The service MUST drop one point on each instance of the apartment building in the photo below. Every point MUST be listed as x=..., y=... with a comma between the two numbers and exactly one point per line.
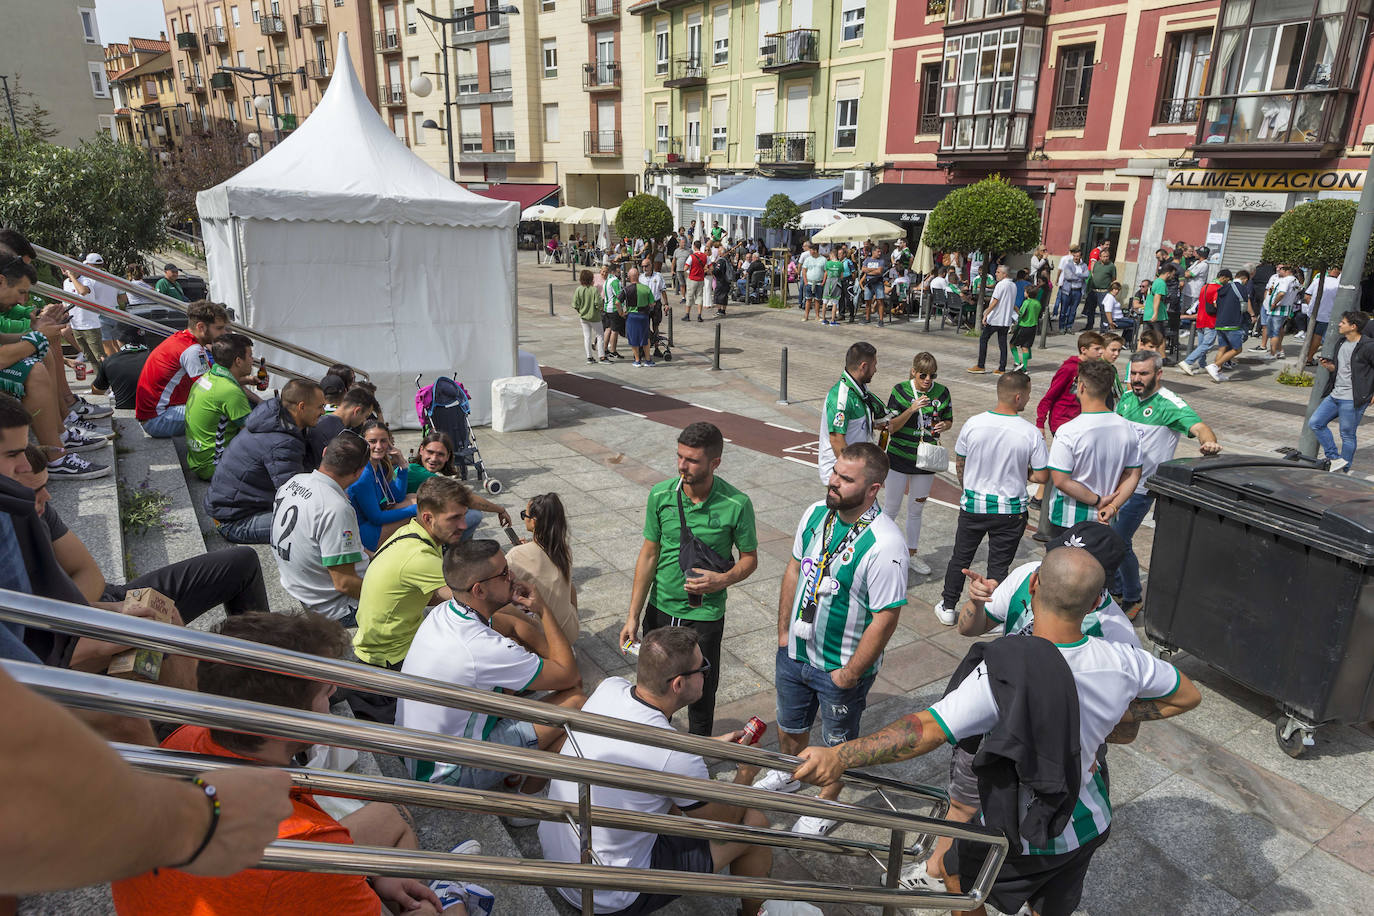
x=146, y=113
x=57, y=57
x=1143, y=122
x=780, y=88
x=290, y=44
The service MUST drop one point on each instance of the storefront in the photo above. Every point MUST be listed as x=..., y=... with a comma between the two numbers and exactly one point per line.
x=907, y=205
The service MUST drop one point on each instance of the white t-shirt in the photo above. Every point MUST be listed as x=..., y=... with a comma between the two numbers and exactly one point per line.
x=1003, y=312
x=616, y=848
x=1112, y=306
x=314, y=527
x=997, y=450
x=1109, y=676
x=102, y=293
x=1011, y=607
x=655, y=283
x=455, y=645
x=815, y=268
x=1094, y=449
x=1330, y=286
x=1192, y=288
x=939, y=283
x=1280, y=292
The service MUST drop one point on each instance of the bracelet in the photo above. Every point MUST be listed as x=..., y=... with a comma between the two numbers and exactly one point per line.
x=213, y=796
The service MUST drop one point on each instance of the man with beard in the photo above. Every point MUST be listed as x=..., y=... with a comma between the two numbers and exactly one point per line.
x=1158, y=417
x=841, y=597
x=851, y=411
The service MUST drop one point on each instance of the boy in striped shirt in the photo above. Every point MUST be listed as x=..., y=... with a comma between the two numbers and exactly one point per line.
x=1095, y=460
x=997, y=452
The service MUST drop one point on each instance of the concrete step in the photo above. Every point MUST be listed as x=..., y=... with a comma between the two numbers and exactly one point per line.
x=91, y=509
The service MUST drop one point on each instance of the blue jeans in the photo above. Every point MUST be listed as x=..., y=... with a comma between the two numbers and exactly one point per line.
x=473, y=519
x=1329, y=409
x=1205, y=344
x=804, y=688
x=1126, y=582
x=255, y=529
x=168, y=425
x=1125, y=327
x=1066, y=306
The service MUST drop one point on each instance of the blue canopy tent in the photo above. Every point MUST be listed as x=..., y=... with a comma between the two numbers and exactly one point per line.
x=746, y=200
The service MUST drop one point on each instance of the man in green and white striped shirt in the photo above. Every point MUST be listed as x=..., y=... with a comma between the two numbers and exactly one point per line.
x=1095, y=460
x=851, y=411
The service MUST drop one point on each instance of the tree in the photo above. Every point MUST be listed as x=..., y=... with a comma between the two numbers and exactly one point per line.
x=780, y=212
x=1314, y=235
x=206, y=158
x=35, y=121
x=101, y=196
x=991, y=216
x=644, y=216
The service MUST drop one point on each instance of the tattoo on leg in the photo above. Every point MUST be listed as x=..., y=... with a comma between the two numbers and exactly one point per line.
x=897, y=741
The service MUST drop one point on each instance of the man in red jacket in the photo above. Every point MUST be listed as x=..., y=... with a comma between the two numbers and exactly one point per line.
x=696, y=279
x=164, y=383
x=1060, y=403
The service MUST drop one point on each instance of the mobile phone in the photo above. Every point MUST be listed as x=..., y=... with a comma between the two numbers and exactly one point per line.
x=512, y=536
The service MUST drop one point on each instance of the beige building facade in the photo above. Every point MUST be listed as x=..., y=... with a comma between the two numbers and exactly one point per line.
x=57, y=56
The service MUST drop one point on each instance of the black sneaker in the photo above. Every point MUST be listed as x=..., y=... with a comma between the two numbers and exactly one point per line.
x=699, y=318
x=74, y=467
x=75, y=440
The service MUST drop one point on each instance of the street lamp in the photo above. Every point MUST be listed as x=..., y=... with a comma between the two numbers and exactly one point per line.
x=444, y=23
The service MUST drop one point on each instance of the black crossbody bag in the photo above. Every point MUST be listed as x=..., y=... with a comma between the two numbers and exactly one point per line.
x=693, y=552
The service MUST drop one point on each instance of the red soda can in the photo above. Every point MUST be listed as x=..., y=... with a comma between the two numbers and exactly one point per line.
x=81, y=371
x=753, y=731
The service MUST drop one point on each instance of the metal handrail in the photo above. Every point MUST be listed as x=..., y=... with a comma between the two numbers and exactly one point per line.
x=61, y=260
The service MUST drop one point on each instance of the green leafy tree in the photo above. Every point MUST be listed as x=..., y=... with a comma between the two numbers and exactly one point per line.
x=101, y=196
x=644, y=216
x=991, y=216
x=1314, y=235
x=780, y=212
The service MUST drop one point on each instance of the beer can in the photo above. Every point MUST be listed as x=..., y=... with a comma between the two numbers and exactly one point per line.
x=753, y=731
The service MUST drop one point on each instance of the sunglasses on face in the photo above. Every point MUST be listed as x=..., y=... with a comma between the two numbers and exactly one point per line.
x=705, y=667
x=932, y=375
x=525, y=515
x=503, y=574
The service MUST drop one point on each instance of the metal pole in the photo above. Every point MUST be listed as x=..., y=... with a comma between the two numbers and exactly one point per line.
x=550, y=300
x=715, y=356
x=670, y=327
x=448, y=102
x=584, y=821
x=782, y=380
x=9, y=103
x=894, y=866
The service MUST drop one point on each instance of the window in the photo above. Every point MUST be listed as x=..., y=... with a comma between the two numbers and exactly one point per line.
x=1075, y=80
x=847, y=113
x=765, y=111
x=551, y=123
x=286, y=107
x=661, y=128
x=720, y=112
x=930, y=100
x=550, y=46
x=503, y=128
x=470, y=129
x=99, y=87
x=398, y=127
x=546, y=6
x=257, y=11
x=467, y=22
x=467, y=74
x=693, y=146
x=232, y=112
x=418, y=119
x=262, y=59
x=411, y=25
x=89, y=27
x=205, y=117
x=234, y=16
x=768, y=23
x=1185, y=70
x=247, y=108
x=801, y=14
x=720, y=35
x=973, y=10
x=661, y=49
x=987, y=89
x=852, y=20
x=190, y=22
x=694, y=39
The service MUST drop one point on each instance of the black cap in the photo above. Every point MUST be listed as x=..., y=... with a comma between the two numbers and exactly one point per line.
x=171, y=267
x=131, y=334
x=1106, y=546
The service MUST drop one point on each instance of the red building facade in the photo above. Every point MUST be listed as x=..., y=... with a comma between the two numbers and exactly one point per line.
x=1144, y=122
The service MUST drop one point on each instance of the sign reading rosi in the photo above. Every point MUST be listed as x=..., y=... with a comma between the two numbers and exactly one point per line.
x=1266, y=179
x=1252, y=201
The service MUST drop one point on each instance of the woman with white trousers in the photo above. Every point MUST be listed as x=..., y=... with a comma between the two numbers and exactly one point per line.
x=922, y=410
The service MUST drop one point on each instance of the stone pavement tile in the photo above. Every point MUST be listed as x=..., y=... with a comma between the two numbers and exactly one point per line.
x=916, y=663
x=607, y=524
x=739, y=680
x=600, y=646
x=592, y=481
x=608, y=593
x=1317, y=883
x=743, y=614
x=1217, y=840
x=610, y=556
x=1336, y=768
x=1353, y=843
x=779, y=549
x=954, y=642
x=1130, y=874
x=1170, y=745
x=1133, y=773
x=758, y=649
x=919, y=617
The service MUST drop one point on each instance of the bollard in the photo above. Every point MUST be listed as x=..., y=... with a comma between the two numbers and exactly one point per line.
x=782, y=379
x=715, y=356
x=1046, y=316
x=928, y=300
x=670, y=328
x=550, y=300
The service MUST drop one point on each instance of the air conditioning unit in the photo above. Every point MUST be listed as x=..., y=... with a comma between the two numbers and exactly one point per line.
x=856, y=181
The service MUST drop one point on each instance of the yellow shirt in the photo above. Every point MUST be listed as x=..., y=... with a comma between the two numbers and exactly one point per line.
x=401, y=579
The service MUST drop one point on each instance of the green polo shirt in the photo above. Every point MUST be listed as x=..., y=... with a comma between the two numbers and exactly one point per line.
x=169, y=288
x=724, y=521
x=404, y=574
x=215, y=410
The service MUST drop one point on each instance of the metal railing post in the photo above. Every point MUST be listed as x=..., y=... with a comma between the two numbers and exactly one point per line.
x=670, y=327
x=550, y=300
x=782, y=379
x=894, y=866
x=715, y=355
x=584, y=821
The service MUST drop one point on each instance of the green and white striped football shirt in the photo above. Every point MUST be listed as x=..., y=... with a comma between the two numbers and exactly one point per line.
x=867, y=577
x=1094, y=449
x=997, y=449
x=850, y=409
x=1011, y=607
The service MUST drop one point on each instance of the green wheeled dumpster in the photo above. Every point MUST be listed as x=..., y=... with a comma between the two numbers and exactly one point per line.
x=1262, y=569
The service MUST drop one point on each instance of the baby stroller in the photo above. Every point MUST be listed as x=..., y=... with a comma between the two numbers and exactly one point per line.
x=444, y=407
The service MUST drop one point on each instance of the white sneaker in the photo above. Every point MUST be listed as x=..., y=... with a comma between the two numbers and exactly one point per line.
x=919, y=565
x=1301, y=335
x=1267, y=356
x=815, y=826
x=915, y=877
x=947, y=616
x=1337, y=464
x=1187, y=368
x=777, y=781
x=1214, y=372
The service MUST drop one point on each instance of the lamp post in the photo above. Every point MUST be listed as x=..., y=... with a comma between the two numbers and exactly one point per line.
x=261, y=104
x=421, y=85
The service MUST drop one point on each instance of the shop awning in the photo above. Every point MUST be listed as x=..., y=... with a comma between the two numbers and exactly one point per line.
x=749, y=197
x=527, y=195
x=903, y=203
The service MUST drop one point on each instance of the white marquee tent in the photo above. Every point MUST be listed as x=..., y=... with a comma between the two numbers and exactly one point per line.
x=343, y=241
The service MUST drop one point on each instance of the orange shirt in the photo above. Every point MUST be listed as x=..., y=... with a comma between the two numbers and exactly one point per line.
x=255, y=892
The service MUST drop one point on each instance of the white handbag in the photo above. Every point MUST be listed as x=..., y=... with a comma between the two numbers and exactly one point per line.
x=929, y=456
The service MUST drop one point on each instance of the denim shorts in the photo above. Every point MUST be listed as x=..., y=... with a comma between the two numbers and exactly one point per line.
x=510, y=732
x=803, y=688
x=1231, y=340
x=813, y=290
x=1319, y=328
x=1276, y=324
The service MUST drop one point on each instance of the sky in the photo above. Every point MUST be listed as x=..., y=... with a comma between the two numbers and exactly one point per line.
x=121, y=20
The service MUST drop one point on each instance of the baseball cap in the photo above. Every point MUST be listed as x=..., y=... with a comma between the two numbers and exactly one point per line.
x=1106, y=546
x=171, y=267
x=93, y=258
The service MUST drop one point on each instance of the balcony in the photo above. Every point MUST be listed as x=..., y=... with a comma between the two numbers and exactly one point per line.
x=798, y=49
x=386, y=40
x=224, y=81
x=287, y=121
x=601, y=143
x=318, y=68
x=930, y=124
x=1069, y=117
x=391, y=94
x=1273, y=125
x=685, y=73
x=281, y=73
x=681, y=157
x=500, y=81
x=935, y=7
x=188, y=41
x=600, y=10
x=193, y=82
x=503, y=142
x=601, y=76
x=216, y=36
x=787, y=150
x=985, y=139
x=312, y=16
x=1178, y=111
x=272, y=25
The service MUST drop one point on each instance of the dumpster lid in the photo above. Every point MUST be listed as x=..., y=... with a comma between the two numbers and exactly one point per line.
x=1333, y=512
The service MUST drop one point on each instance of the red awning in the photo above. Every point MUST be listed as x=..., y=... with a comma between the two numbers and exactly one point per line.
x=526, y=195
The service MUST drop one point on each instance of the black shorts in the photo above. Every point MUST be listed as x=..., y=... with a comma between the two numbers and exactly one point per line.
x=1023, y=337
x=1052, y=885
x=672, y=853
x=613, y=321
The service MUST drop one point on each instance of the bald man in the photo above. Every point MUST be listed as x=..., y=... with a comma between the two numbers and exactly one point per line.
x=1118, y=686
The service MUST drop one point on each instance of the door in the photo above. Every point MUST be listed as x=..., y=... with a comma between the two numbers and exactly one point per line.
x=692, y=152
x=219, y=17
x=605, y=58
x=694, y=42
x=605, y=126
x=1245, y=237
x=798, y=108
x=393, y=77
x=398, y=125
x=1103, y=224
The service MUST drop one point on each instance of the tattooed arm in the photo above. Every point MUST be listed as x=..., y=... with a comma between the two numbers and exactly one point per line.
x=910, y=736
x=1148, y=710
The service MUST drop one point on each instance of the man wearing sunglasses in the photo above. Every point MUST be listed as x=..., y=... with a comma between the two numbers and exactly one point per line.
x=460, y=643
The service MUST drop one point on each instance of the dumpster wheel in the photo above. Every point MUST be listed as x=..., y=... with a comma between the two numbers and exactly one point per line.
x=1294, y=737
